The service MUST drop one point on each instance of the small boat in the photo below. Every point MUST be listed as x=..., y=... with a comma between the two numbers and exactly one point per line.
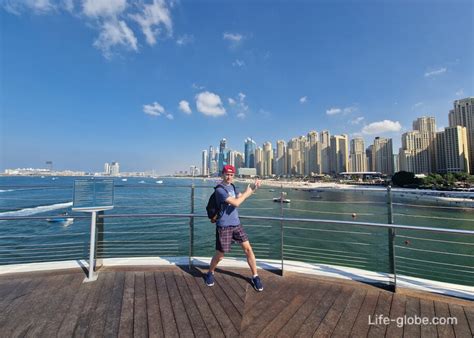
x=60, y=220
x=141, y=182
x=281, y=200
x=159, y=182
x=54, y=178
x=124, y=180
x=316, y=197
x=271, y=190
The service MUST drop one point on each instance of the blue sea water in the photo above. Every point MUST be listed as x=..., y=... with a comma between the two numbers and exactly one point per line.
x=434, y=256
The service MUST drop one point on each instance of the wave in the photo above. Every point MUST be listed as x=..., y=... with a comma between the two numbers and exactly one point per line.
x=36, y=210
x=8, y=190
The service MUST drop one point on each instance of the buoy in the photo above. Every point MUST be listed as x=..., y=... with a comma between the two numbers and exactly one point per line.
x=354, y=215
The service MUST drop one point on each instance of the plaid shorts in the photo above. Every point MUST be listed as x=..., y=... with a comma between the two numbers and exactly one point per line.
x=225, y=236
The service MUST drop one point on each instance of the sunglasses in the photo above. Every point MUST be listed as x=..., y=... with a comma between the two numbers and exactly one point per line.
x=229, y=174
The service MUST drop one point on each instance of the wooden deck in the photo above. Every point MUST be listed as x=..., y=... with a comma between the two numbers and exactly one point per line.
x=174, y=302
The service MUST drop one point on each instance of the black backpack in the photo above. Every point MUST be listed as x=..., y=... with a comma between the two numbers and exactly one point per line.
x=212, y=208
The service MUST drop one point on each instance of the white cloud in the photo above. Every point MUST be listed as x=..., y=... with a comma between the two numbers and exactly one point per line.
x=264, y=113
x=38, y=6
x=231, y=101
x=333, y=111
x=436, y=72
x=348, y=110
x=303, y=99
x=233, y=37
x=357, y=120
x=381, y=127
x=460, y=92
x=115, y=33
x=238, y=63
x=209, y=104
x=184, y=40
x=169, y=117
x=103, y=8
x=241, y=115
x=154, y=109
x=198, y=87
x=417, y=105
x=152, y=17
x=184, y=107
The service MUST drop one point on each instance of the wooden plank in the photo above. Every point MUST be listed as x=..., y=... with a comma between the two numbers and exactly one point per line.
x=180, y=315
x=66, y=329
x=57, y=308
x=382, y=309
x=348, y=317
x=112, y=320
x=170, y=328
x=17, y=294
x=99, y=313
x=197, y=323
x=155, y=328
x=461, y=328
x=397, y=310
x=412, y=309
x=231, y=295
x=208, y=317
x=24, y=317
x=274, y=326
x=361, y=325
x=140, y=320
x=315, y=318
x=469, y=312
x=225, y=323
x=442, y=310
x=85, y=316
x=427, y=311
x=334, y=314
x=126, y=314
x=230, y=308
x=260, y=319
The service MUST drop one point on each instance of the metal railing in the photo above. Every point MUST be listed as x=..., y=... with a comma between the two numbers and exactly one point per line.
x=288, y=228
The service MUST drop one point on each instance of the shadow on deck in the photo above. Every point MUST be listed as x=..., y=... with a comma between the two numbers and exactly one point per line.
x=171, y=301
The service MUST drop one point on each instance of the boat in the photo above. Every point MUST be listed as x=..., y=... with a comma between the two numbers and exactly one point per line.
x=124, y=180
x=281, y=200
x=271, y=190
x=159, y=182
x=141, y=182
x=63, y=219
x=316, y=197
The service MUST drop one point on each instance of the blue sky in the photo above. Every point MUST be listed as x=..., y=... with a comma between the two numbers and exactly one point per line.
x=151, y=83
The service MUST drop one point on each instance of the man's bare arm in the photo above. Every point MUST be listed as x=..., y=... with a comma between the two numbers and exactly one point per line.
x=236, y=201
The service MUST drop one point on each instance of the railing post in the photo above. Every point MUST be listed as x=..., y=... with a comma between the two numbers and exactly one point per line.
x=91, y=276
x=281, y=230
x=100, y=239
x=391, y=239
x=191, y=229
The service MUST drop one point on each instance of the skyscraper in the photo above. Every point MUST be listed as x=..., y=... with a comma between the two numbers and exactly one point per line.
x=314, y=155
x=452, y=150
x=249, y=152
x=205, y=163
x=267, y=159
x=382, y=155
x=357, y=155
x=339, y=154
x=414, y=155
x=222, y=154
x=280, y=160
x=259, y=161
x=115, y=169
x=324, y=139
x=463, y=115
x=369, y=155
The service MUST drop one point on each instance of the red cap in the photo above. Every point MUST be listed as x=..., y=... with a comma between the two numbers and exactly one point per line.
x=228, y=169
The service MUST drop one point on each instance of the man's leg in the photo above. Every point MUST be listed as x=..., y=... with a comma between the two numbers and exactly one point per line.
x=250, y=257
x=218, y=256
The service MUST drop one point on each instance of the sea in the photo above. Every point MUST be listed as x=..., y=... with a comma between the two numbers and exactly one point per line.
x=133, y=228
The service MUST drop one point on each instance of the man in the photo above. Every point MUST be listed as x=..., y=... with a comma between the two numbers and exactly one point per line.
x=229, y=229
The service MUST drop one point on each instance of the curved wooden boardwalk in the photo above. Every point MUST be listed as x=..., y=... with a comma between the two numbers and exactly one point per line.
x=171, y=302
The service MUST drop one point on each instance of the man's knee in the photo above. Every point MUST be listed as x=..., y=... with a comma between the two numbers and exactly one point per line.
x=247, y=248
x=219, y=255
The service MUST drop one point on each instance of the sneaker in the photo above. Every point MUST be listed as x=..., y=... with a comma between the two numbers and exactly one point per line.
x=209, y=278
x=257, y=283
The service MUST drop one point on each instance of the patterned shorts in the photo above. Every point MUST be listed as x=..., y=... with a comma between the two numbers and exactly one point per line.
x=225, y=236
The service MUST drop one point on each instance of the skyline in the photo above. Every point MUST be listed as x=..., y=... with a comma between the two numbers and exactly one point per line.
x=151, y=84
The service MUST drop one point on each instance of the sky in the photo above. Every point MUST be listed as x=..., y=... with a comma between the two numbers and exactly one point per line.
x=152, y=83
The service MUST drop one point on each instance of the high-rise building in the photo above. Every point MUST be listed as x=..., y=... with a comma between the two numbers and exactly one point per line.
x=259, y=161
x=280, y=158
x=211, y=159
x=106, y=168
x=222, y=154
x=426, y=126
x=357, y=155
x=463, y=115
x=314, y=154
x=294, y=157
x=249, y=152
x=339, y=154
x=267, y=159
x=325, y=140
x=368, y=155
x=114, y=169
x=452, y=150
x=205, y=163
x=382, y=156
x=414, y=155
